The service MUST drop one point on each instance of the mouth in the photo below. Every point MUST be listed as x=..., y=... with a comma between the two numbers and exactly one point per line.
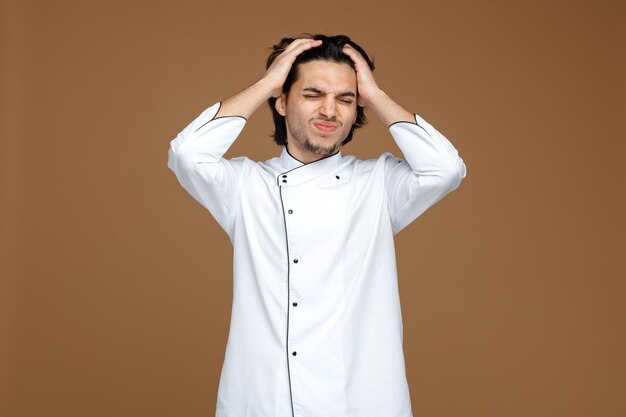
x=325, y=127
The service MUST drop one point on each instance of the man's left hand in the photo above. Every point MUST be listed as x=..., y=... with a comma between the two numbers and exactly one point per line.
x=366, y=85
x=371, y=96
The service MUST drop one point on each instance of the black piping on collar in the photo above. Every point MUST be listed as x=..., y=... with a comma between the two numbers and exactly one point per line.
x=303, y=163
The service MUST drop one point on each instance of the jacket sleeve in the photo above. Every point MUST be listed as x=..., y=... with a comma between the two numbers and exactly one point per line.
x=195, y=156
x=432, y=169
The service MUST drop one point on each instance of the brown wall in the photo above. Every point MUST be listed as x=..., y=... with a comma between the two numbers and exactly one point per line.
x=116, y=285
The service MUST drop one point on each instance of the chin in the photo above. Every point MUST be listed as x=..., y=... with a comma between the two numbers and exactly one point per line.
x=320, y=148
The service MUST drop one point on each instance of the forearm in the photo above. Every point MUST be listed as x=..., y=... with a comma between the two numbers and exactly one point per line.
x=387, y=110
x=205, y=139
x=419, y=141
x=246, y=102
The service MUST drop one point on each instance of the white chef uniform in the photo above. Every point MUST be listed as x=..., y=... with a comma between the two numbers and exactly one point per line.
x=316, y=325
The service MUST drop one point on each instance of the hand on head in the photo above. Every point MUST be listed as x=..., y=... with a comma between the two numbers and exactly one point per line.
x=278, y=71
x=366, y=84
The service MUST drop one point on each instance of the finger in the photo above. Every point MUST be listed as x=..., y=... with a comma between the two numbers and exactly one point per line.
x=279, y=69
x=298, y=43
x=356, y=57
x=298, y=46
x=295, y=48
x=289, y=55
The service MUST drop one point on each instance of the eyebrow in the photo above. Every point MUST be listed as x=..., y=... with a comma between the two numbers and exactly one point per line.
x=318, y=91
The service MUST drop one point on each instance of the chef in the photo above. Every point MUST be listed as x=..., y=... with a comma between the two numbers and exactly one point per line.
x=316, y=326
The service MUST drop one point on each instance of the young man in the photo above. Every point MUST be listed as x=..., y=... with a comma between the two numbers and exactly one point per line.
x=316, y=326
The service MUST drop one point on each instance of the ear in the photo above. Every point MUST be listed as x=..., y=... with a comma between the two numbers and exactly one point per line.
x=280, y=103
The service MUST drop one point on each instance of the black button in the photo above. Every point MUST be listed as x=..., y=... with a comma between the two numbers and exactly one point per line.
x=337, y=176
x=284, y=180
x=295, y=261
x=295, y=304
x=290, y=211
x=284, y=176
x=294, y=353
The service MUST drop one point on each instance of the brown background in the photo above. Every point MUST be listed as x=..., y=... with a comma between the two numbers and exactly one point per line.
x=116, y=285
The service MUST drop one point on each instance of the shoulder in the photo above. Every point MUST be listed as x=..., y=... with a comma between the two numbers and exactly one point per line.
x=382, y=163
x=250, y=168
x=249, y=162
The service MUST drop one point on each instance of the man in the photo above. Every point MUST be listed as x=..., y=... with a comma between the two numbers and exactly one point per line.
x=316, y=327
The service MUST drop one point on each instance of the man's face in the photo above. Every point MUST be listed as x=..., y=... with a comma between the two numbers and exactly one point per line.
x=319, y=109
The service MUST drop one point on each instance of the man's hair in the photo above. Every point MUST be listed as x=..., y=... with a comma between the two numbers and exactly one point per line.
x=329, y=50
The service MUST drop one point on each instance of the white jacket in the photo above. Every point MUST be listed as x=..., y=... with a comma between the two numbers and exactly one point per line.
x=316, y=326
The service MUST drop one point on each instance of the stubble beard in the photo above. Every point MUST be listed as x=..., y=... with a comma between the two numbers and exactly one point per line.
x=300, y=136
x=319, y=149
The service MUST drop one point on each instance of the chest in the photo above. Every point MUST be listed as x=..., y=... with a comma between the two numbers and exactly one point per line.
x=321, y=212
x=313, y=211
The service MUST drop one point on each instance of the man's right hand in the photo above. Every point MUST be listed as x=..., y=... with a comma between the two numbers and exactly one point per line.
x=278, y=71
x=247, y=101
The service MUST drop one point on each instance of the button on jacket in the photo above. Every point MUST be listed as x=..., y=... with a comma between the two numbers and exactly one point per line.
x=316, y=326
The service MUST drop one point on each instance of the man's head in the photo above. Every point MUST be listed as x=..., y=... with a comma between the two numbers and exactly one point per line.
x=318, y=107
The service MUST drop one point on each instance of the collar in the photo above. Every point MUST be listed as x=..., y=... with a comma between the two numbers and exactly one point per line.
x=294, y=172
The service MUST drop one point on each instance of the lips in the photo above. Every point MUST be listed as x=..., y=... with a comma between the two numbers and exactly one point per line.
x=325, y=126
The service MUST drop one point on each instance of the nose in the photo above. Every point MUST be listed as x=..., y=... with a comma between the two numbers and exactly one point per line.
x=327, y=107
